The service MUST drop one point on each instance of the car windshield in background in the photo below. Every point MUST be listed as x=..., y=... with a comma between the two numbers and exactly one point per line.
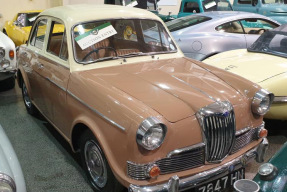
x=184, y=22
x=111, y=39
x=271, y=42
x=216, y=5
x=274, y=1
x=31, y=18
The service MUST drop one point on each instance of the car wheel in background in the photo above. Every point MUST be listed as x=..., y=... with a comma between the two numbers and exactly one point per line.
x=31, y=109
x=96, y=165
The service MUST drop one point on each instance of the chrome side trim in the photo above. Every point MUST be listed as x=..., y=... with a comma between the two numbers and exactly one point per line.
x=280, y=99
x=51, y=81
x=242, y=131
x=97, y=112
x=185, y=149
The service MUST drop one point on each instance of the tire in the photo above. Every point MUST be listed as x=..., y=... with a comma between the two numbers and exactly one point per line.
x=31, y=109
x=96, y=166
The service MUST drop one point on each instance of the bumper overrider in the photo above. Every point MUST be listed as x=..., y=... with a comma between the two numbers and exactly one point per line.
x=175, y=184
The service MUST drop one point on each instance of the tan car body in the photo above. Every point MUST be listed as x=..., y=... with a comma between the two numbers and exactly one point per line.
x=112, y=98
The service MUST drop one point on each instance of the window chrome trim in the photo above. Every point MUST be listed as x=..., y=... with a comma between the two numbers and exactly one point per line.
x=185, y=149
x=51, y=81
x=97, y=112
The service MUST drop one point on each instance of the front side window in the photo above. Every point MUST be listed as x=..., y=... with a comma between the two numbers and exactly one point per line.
x=216, y=5
x=113, y=39
x=184, y=22
x=274, y=1
x=244, y=2
x=257, y=26
x=57, y=44
x=231, y=27
x=191, y=7
x=38, y=34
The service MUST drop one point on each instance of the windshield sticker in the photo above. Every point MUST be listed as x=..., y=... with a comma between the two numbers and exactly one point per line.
x=209, y=5
x=132, y=4
x=95, y=35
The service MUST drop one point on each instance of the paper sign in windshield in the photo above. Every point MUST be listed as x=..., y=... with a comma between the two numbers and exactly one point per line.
x=95, y=35
x=209, y=5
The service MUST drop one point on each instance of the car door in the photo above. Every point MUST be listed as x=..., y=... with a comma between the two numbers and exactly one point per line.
x=254, y=27
x=233, y=36
x=247, y=6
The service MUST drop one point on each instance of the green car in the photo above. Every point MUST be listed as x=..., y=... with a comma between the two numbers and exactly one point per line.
x=271, y=176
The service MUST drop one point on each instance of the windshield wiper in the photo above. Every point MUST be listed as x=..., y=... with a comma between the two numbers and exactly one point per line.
x=134, y=54
x=101, y=59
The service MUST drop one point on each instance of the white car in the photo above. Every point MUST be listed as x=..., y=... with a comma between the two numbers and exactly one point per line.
x=11, y=176
x=8, y=64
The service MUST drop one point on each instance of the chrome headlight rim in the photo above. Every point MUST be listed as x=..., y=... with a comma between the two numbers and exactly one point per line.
x=259, y=99
x=8, y=180
x=147, y=125
x=2, y=52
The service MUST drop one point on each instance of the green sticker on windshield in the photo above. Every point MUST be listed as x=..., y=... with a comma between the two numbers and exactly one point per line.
x=95, y=35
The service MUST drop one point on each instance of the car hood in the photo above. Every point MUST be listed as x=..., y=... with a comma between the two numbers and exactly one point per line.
x=6, y=42
x=256, y=67
x=175, y=88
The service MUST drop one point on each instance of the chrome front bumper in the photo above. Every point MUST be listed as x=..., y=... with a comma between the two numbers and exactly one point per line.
x=175, y=184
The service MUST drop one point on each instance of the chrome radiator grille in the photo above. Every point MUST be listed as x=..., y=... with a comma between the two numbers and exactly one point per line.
x=218, y=123
x=178, y=162
x=244, y=139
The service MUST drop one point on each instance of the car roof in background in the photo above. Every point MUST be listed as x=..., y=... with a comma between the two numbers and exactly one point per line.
x=31, y=11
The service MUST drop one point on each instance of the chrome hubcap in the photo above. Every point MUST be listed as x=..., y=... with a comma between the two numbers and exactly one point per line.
x=95, y=164
x=26, y=96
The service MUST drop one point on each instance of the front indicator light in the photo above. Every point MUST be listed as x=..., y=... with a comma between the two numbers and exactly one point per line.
x=153, y=171
x=11, y=54
x=263, y=133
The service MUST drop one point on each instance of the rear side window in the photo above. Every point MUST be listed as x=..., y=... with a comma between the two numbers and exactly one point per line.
x=39, y=33
x=57, y=44
x=231, y=27
x=191, y=7
x=184, y=22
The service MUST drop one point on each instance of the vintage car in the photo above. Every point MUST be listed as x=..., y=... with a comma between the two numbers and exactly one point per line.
x=275, y=9
x=141, y=115
x=8, y=65
x=203, y=35
x=19, y=28
x=265, y=63
x=11, y=176
x=271, y=176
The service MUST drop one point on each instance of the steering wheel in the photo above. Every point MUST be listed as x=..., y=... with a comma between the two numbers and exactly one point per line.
x=260, y=31
x=97, y=50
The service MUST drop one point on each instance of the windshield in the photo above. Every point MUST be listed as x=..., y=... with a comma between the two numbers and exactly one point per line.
x=111, y=39
x=271, y=42
x=184, y=22
x=216, y=5
x=274, y=1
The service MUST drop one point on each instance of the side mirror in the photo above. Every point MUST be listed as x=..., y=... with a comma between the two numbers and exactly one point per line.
x=254, y=2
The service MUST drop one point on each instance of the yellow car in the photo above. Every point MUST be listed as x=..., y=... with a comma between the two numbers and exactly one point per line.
x=265, y=63
x=19, y=28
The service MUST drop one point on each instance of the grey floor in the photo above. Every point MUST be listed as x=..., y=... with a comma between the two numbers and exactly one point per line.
x=46, y=159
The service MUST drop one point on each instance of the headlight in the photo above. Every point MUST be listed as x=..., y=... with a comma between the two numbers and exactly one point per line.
x=261, y=102
x=7, y=184
x=151, y=133
x=2, y=52
x=4, y=63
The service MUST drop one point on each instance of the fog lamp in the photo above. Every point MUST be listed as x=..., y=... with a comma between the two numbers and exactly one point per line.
x=244, y=185
x=267, y=172
x=153, y=171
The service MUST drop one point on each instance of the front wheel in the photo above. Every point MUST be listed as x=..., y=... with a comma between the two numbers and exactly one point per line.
x=96, y=165
x=31, y=109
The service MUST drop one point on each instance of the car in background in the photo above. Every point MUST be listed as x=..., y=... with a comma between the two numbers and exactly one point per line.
x=203, y=35
x=8, y=66
x=11, y=176
x=141, y=115
x=19, y=28
x=265, y=63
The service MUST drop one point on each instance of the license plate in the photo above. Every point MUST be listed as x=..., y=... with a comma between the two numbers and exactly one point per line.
x=223, y=183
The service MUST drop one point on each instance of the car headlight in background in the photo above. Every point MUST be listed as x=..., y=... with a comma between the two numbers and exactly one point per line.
x=151, y=133
x=267, y=172
x=2, y=52
x=261, y=102
x=7, y=184
x=4, y=64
